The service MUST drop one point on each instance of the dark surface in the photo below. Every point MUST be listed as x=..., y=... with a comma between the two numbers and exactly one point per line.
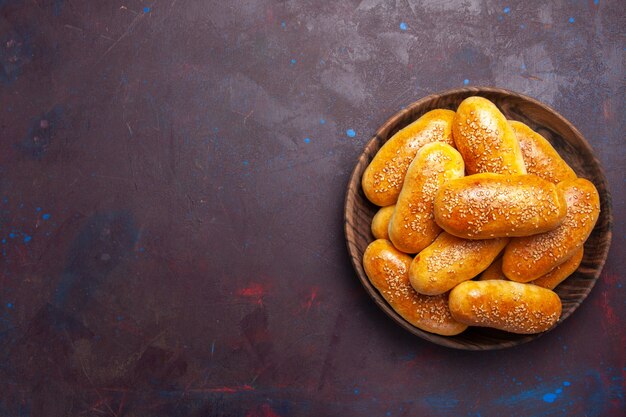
x=172, y=241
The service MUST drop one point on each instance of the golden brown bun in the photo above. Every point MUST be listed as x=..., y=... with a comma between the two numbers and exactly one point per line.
x=549, y=280
x=528, y=258
x=450, y=260
x=380, y=222
x=383, y=178
x=493, y=272
x=388, y=270
x=558, y=274
x=412, y=226
x=505, y=305
x=485, y=139
x=540, y=157
x=484, y=206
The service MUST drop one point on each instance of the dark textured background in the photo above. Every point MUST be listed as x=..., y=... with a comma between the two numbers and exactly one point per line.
x=172, y=175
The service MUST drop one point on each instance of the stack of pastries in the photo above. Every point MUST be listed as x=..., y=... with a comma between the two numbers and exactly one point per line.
x=480, y=220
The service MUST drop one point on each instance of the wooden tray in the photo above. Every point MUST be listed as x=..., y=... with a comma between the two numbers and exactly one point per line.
x=565, y=138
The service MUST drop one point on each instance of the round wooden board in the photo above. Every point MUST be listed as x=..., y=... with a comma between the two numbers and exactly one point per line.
x=565, y=138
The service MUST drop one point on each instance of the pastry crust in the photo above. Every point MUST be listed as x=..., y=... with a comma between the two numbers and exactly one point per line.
x=528, y=258
x=380, y=222
x=561, y=272
x=487, y=205
x=384, y=176
x=485, y=139
x=493, y=272
x=540, y=158
x=505, y=305
x=388, y=270
x=450, y=260
x=412, y=226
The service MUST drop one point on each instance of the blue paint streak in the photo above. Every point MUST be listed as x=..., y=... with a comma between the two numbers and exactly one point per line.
x=566, y=383
x=46, y=216
x=596, y=1
x=146, y=9
x=27, y=238
x=465, y=81
x=549, y=398
x=293, y=61
x=356, y=391
x=351, y=133
x=572, y=20
x=9, y=305
x=403, y=26
x=322, y=121
x=507, y=10
x=307, y=140
x=38, y=209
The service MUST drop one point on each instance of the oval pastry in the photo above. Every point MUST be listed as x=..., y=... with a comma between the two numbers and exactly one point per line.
x=505, y=305
x=412, y=226
x=388, y=270
x=450, y=260
x=528, y=258
x=484, y=206
x=540, y=158
x=380, y=222
x=384, y=176
x=558, y=274
x=485, y=139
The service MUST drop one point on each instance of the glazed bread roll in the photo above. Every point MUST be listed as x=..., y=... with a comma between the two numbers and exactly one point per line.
x=505, y=305
x=412, y=226
x=549, y=280
x=493, y=272
x=540, y=158
x=485, y=139
x=528, y=258
x=388, y=270
x=484, y=206
x=450, y=260
x=380, y=222
x=383, y=178
x=558, y=274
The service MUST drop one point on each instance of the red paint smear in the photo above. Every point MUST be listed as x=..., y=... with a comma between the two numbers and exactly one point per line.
x=253, y=290
x=262, y=411
x=610, y=279
x=609, y=313
x=310, y=301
